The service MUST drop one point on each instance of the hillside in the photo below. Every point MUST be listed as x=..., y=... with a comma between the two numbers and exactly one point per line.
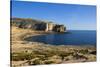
x=38, y=25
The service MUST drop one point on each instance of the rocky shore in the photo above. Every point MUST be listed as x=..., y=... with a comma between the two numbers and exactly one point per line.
x=26, y=53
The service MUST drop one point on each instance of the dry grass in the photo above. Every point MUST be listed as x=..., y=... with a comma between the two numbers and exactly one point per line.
x=41, y=53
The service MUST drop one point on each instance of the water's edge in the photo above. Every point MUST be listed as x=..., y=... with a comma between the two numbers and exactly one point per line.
x=72, y=37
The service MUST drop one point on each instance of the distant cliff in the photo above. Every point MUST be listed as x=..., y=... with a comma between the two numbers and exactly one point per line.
x=34, y=24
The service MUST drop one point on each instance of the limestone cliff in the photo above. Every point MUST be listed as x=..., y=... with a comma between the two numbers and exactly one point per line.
x=34, y=24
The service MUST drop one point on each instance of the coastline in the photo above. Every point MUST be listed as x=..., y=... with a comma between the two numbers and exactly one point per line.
x=51, y=54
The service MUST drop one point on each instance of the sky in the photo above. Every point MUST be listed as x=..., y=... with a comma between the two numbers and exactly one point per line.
x=74, y=17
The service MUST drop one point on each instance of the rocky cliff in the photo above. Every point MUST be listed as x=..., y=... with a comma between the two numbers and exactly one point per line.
x=34, y=24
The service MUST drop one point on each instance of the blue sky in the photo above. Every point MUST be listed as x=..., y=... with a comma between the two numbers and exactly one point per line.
x=74, y=17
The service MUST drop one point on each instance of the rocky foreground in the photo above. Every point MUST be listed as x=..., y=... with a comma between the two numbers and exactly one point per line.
x=26, y=53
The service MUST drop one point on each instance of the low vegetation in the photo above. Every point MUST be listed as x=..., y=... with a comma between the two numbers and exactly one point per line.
x=50, y=57
x=35, y=53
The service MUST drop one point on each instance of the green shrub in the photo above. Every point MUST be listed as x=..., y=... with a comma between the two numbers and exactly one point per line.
x=21, y=56
x=48, y=62
x=37, y=61
x=84, y=51
x=63, y=54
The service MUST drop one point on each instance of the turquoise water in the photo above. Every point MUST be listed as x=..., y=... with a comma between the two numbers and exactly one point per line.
x=74, y=37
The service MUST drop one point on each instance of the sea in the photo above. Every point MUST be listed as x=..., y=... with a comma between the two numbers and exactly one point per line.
x=72, y=37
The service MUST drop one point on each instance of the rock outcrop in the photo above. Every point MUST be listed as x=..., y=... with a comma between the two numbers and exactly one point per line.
x=59, y=28
x=37, y=25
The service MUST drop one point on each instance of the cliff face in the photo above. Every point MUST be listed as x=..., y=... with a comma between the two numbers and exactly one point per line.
x=59, y=28
x=37, y=25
